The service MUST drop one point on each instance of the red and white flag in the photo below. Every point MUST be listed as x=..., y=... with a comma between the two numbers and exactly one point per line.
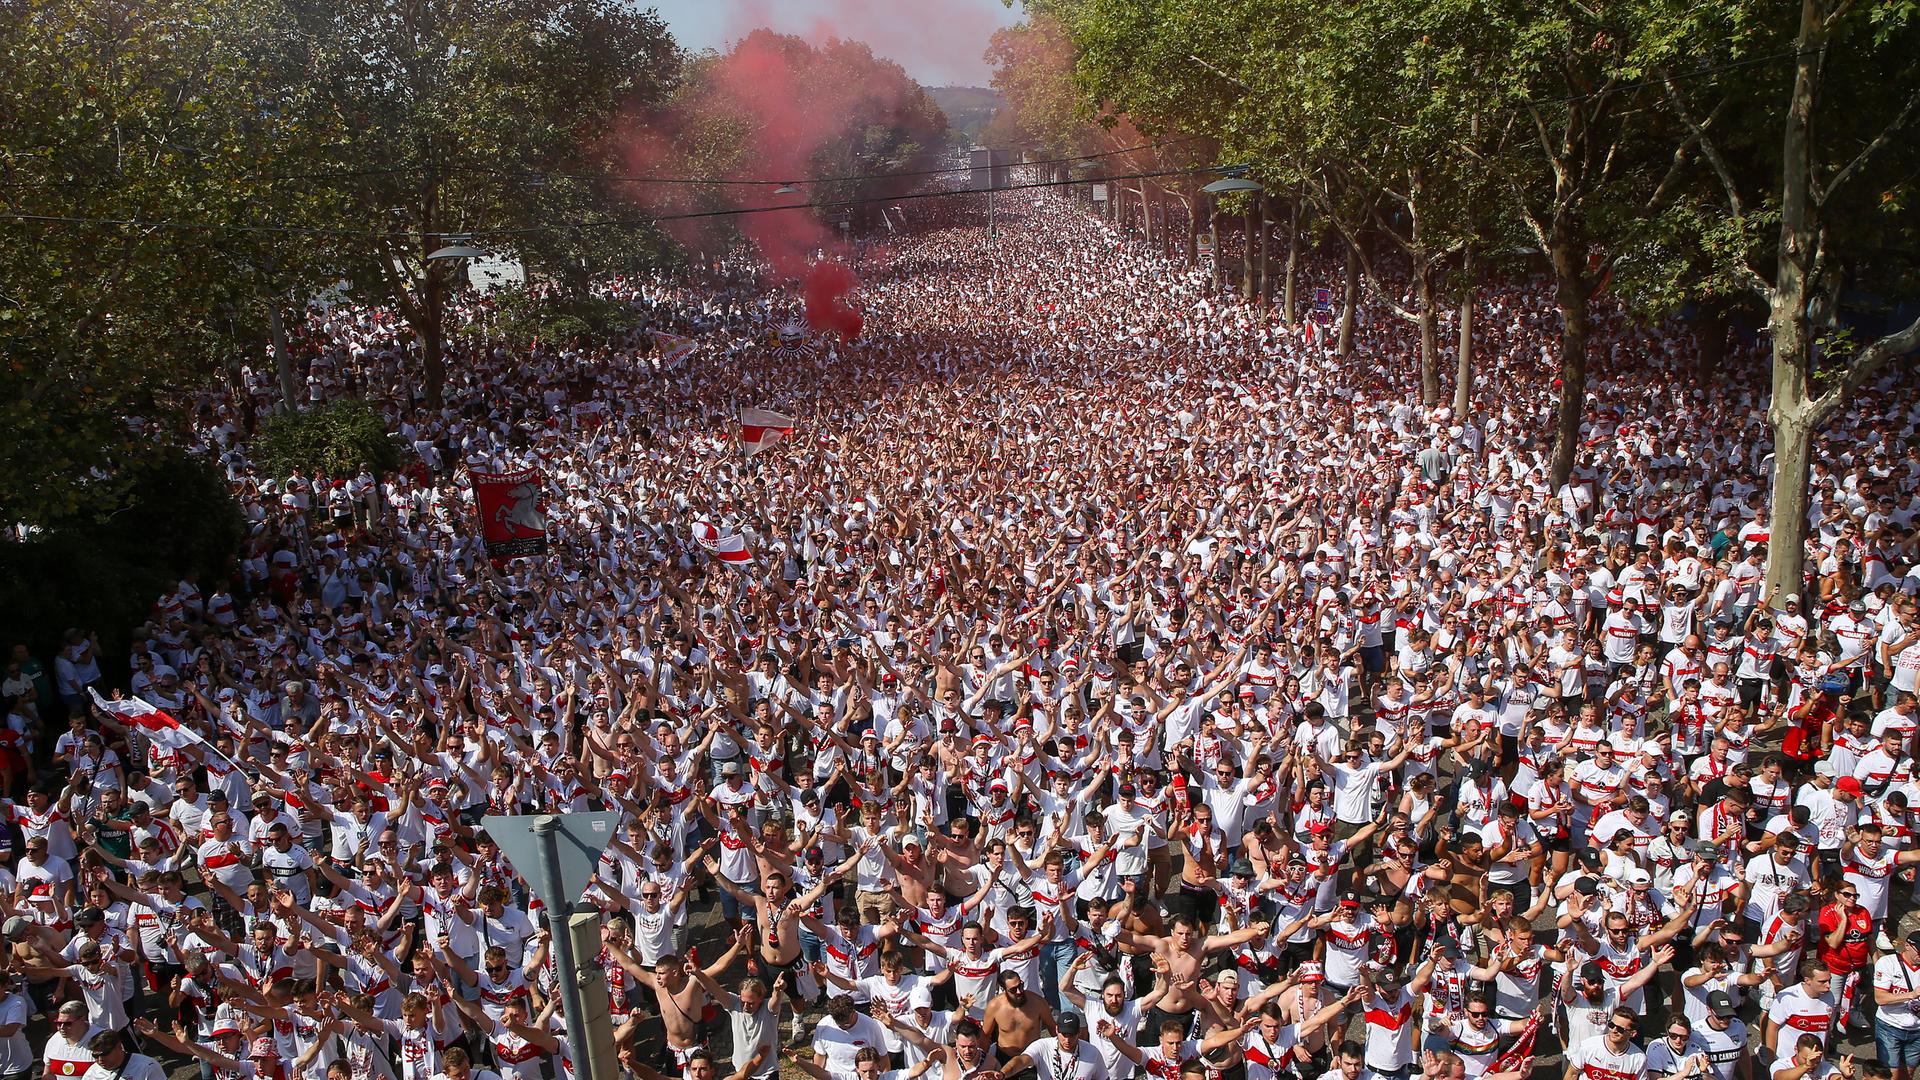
x=761, y=428
x=729, y=549
x=157, y=725
x=672, y=347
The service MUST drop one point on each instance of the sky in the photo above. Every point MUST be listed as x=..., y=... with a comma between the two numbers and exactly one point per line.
x=939, y=42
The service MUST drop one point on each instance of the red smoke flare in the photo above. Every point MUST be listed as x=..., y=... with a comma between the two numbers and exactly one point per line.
x=826, y=287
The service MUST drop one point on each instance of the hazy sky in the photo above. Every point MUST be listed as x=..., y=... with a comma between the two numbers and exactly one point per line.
x=939, y=42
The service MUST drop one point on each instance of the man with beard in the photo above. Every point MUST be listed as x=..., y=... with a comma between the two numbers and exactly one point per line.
x=1015, y=1018
x=1182, y=950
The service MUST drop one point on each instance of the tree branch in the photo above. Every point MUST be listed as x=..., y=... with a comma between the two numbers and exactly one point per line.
x=1708, y=147
x=1865, y=364
x=1860, y=159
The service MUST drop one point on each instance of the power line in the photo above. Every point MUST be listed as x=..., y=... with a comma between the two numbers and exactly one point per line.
x=604, y=223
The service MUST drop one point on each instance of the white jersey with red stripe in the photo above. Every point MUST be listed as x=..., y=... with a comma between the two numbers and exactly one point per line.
x=1593, y=1059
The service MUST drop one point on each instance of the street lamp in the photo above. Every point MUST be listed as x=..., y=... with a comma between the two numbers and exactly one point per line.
x=456, y=251
x=1233, y=183
x=786, y=189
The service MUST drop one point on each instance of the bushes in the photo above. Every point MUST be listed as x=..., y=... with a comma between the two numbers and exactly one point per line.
x=336, y=439
x=177, y=518
x=520, y=317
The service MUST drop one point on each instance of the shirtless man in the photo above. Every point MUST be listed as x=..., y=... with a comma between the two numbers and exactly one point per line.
x=1013, y=1019
x=680, y=994
x=778, y=920
x=916, y=872
x=1183, y=949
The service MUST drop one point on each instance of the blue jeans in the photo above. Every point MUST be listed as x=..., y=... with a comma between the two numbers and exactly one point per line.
x=1055, y=958
x=1899, y=1047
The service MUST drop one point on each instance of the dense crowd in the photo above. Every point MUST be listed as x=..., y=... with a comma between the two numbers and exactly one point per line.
x=1123, y=685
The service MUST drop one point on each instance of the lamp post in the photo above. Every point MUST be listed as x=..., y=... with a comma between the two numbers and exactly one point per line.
x=1222, y=186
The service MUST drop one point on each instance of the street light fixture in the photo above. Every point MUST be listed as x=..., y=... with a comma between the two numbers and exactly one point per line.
x=786, y=189
x=1232, y=183
x=457, y=251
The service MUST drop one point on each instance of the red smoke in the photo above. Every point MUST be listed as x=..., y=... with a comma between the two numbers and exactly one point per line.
x=826, y=287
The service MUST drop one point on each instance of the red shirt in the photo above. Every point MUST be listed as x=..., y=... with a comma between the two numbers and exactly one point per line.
x=1851, y=956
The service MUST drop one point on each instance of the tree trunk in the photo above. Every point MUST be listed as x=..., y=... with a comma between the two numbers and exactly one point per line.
x=433, y=368
x=1246, y=259
x=1192, y=235
x=1710, y=337
x=1787, y=530
x=1345, y=347
x=1293, y=263
x=1791, y=413
x=1429, y=333
x=1463, y=370
x=1213, y=235
x=282, y=359
x=1260, y=274
x=1572, y=293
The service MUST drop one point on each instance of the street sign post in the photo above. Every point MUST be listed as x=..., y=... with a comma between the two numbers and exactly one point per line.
x=557, y=854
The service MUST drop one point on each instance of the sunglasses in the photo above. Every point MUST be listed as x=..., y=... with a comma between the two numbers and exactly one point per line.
x=1621, y=1029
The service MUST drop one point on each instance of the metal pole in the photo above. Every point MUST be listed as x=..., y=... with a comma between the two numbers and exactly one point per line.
x=547, y=828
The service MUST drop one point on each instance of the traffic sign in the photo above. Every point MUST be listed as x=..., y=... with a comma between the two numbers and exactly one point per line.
x=578, y=841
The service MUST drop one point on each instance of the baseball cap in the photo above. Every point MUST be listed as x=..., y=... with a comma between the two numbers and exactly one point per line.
x=1848, y=784
x=263, y=1048
x=1823, y=767
x=1637, y=876
x=1720, y=1004
x=220, y=1027
x=1585, y=885
x=1068, y=1023
x=1350, y=899
x=1310, y=972
x=16, y=928
x=731, y=768
x=1128, y=791
x=1705, y=850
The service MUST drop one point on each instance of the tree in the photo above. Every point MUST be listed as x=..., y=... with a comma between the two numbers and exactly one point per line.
x=132, y=250
x=483, y=118
x=849, y=127
x=1033, y=65
x=1576, y=150
x=1829, y=206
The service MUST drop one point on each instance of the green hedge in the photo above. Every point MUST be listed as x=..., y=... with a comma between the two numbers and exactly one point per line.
x=177, y=518
x=336, y=439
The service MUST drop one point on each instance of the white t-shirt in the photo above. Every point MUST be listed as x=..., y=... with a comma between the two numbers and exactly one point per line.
x=839, y=1044
x=1051, y=1061
x=1595, y=1060
x=1891, y=973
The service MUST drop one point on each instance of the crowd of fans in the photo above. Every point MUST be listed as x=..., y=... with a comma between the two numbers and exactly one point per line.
x=1123, y=685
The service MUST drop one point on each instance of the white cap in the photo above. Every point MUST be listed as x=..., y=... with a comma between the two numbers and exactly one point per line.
x=1823, y=767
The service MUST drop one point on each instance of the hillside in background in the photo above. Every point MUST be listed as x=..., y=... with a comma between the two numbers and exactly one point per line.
x=968, y=109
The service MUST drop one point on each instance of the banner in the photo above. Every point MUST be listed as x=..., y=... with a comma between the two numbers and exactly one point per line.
x=729, y=549
x=512, y=519
x=761, y=428
x=672, y=347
